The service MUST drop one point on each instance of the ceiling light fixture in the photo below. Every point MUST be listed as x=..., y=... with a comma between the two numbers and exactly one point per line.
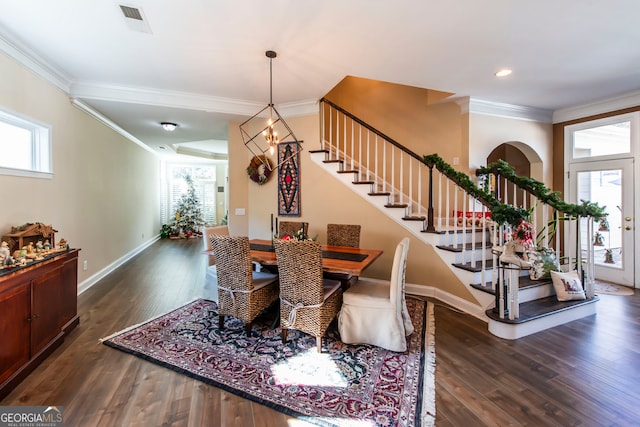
x=262, y=137
x=504, y=72
x=169, y=127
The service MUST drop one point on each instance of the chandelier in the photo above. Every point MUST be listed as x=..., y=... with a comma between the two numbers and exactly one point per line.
x=263, y=131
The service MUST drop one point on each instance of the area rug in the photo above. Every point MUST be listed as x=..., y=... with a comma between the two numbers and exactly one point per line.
x=611, y=289
x=345, y=385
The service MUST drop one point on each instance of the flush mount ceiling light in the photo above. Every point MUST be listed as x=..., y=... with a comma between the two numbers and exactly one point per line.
x=504, y=72
x=266, y=129
x=169, y=127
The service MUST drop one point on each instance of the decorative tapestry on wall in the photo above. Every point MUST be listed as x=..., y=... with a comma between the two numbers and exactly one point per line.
x=289, y=179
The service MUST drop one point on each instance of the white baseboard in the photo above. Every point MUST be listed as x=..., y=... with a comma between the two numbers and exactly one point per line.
x=447, y=298
x=92, y=280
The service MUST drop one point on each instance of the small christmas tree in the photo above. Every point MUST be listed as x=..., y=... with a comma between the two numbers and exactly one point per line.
x=188, y=217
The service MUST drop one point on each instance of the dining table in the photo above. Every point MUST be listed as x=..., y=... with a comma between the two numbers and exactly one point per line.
x=335, y=259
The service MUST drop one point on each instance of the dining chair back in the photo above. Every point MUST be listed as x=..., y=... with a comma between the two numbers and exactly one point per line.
x=292, y=227
x=211, y=272
x=242, y=292
x=375, y=311
x=343, y=235
x=308, y=303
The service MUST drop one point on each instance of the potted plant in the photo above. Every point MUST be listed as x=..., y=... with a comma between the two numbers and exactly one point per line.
x=603, y=224
x=598, y=239
x=608, y=256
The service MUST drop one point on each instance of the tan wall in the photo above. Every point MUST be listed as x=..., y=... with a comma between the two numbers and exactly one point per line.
x=103, y=197
x=326, y=200
x=419, y=119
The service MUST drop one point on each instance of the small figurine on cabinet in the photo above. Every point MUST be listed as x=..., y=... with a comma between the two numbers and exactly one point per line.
x=9, y=261
x=31, y=250
x=4, y=252
x=62, y=244
x=47, y=245
x=39, y=246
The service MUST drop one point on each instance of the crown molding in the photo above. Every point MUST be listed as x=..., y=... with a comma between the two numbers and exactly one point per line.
x=186, y=100
x=593, y=108
x=490, y=108
x=28, y=58
x=95, y=114
x=164, y=98
x=299, y=108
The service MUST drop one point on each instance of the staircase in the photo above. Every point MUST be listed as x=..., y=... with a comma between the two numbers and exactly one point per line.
x=439, y=206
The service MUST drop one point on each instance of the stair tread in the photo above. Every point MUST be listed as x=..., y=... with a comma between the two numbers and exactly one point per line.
x=349, y=171
x=396, y=205
x=538, y=308
x=467, y=246
x=414, y=218
x=332, y=161
x=318, y=151
x=379, y=193
x=525, y=282
x=477, y=267
x=363, y=182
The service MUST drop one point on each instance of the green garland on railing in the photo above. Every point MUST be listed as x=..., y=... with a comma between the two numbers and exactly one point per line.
x=542, y=193
x=502, y=213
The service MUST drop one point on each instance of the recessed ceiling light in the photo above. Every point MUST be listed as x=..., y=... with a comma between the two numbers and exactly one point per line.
x=503, y=72
x=169, y=127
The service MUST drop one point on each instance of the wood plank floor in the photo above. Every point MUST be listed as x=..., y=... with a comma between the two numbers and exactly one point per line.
x=584, y=373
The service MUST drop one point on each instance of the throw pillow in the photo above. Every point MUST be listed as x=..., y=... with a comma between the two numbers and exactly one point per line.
x=568, y=286
x=543, y=262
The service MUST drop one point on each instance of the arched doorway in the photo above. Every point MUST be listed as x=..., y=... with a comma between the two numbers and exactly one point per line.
x=517, y=159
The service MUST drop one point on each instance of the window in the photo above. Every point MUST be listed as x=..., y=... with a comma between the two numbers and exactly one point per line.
x=204, y=182
x=25, y=146
x=603, y=138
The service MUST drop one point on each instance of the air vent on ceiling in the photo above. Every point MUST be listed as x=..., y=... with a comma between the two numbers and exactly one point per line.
x=131, y=12
x=135, y=19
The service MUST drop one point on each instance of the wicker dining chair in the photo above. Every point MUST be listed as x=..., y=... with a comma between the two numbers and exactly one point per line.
x=375, y=311
x=211, y=273
x=343, y=235
x=292, y=227
x=308, y=303
x=242, y=292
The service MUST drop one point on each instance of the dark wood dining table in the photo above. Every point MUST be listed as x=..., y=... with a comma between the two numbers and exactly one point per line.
x=335, y=259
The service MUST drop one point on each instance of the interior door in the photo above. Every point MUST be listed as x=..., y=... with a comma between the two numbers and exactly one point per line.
x=610, y=184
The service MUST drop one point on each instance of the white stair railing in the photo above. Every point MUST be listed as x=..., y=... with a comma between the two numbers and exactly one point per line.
x=446, y=208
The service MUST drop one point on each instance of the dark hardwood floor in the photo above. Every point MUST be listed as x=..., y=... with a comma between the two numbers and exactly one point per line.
x=584, y=373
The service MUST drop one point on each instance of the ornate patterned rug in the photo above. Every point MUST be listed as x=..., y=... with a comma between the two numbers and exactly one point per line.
x=345, y=385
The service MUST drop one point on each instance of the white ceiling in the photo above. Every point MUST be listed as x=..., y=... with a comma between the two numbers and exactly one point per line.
x=203, y=62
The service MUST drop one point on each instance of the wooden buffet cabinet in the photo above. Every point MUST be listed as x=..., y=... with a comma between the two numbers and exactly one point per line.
x=38, y=307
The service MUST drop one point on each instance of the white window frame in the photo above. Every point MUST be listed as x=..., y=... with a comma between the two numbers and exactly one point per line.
x=166, y=211
x=633, y=118
x=41, y=153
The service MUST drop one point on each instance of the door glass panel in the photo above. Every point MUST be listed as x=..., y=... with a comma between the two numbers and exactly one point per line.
x=602, y=140
x=605, y=188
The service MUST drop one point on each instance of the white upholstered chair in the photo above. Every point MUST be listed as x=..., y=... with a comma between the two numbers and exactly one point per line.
x=375, y=311
x=211, y=277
